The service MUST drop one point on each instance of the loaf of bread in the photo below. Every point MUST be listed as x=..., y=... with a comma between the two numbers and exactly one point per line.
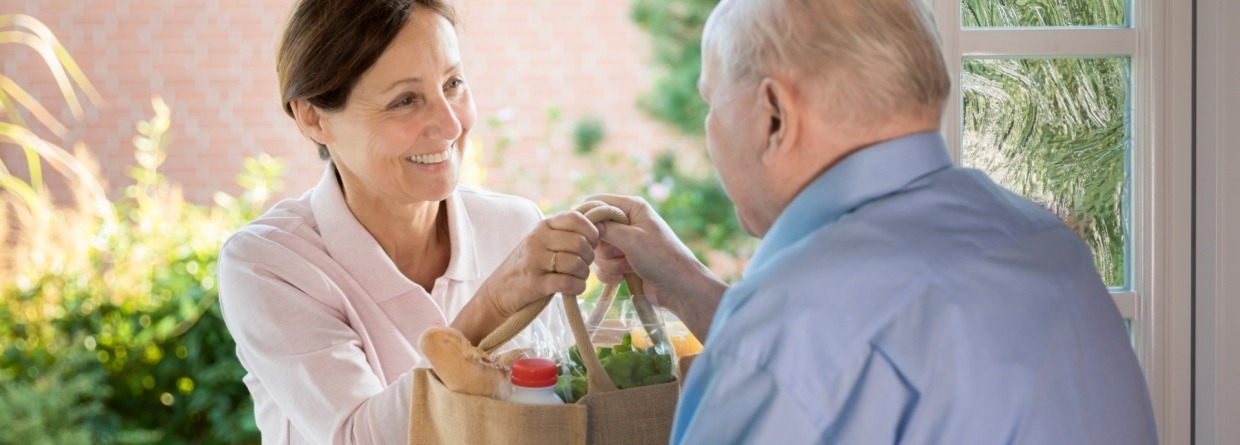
x=462, y=366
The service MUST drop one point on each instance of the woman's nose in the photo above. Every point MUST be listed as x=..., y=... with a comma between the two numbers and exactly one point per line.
x=444, y=125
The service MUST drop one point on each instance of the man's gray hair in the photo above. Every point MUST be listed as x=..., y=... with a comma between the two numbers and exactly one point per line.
x=876, y=58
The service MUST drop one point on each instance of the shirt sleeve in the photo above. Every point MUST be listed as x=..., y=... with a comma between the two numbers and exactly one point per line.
x=303, y=351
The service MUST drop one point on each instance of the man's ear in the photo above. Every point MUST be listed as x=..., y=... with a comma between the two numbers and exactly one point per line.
x=310, y=120
x=776, y=104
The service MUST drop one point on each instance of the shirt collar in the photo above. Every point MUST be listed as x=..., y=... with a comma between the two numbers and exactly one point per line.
x=866, y=175
x=353, y=247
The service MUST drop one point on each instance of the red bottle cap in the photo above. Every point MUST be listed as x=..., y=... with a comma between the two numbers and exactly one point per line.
x=533, y=373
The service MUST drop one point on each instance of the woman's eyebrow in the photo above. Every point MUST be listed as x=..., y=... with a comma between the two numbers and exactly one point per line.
x=404, y=81
x=409, y=80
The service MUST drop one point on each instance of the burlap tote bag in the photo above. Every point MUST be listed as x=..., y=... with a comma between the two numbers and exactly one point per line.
x=605, y=415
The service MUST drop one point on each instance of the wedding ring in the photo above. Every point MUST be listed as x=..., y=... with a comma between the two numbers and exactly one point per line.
x=553, y=254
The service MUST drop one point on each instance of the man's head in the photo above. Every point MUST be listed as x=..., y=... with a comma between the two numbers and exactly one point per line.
x=796, y=85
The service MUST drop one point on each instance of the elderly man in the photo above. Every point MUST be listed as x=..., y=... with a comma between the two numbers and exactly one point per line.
x=895, y=298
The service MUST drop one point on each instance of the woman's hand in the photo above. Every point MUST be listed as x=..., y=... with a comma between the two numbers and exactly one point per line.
x=554, y=257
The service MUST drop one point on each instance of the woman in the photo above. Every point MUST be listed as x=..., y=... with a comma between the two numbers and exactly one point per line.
x=326, y=295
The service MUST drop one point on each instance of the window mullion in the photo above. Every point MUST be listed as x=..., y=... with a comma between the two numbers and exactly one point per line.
x=1066, y=42
x=947, y=14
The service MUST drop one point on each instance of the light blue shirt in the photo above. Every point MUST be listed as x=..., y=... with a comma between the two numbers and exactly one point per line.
x=900, y=299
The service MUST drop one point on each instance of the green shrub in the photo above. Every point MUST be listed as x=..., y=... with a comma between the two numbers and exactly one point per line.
x=136, y=286
x=685, y=190
x=55, y=406
x=109, y=328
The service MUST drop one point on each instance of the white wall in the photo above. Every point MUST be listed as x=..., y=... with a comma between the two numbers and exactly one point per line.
x=1217, y=378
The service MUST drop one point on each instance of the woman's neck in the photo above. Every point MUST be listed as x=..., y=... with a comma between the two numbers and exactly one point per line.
x=413, y=235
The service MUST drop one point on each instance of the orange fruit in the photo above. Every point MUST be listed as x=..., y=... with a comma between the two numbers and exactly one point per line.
x=683, y=341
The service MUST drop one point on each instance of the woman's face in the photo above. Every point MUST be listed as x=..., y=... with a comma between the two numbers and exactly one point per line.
x=401, y=135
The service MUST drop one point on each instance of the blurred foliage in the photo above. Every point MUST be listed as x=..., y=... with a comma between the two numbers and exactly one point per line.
x=675, y=30
x=55, y=406
x=683, y=188
x=109, y=327
x=588, y=133
x=1055, y=130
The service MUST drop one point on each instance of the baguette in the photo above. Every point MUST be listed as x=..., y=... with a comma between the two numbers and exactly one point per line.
x=462, y=366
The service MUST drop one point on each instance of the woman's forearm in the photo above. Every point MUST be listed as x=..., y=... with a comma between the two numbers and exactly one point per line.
x=480, y=316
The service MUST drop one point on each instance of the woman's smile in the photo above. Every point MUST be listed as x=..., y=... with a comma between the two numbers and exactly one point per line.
x=432, y=158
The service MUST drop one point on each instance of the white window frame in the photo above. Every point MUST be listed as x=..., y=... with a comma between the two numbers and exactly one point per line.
x=1159, y=47
x=1217, y=359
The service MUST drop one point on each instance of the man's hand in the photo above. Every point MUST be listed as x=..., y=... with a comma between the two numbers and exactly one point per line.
x=671, y=275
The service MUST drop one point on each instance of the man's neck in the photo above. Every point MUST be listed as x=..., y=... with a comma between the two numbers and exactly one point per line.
x=826, y=149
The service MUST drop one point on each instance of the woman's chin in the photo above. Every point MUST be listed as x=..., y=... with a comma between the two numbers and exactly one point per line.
x=432, y=188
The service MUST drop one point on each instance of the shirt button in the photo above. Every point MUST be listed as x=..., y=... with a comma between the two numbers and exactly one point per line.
x=438, y=322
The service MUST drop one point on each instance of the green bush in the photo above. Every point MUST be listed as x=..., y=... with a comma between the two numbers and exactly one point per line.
x=133, y=282
x=684, y=189
x=109, y=327
x=54, y=406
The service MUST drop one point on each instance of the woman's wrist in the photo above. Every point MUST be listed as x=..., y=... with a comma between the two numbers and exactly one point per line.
x=480, y=316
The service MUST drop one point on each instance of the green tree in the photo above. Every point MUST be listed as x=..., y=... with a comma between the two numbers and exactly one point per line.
x=684, y=190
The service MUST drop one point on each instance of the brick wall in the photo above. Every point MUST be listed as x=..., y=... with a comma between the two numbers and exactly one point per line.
x=213, y=63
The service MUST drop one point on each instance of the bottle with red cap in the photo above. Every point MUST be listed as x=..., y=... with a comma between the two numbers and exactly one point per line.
x=533, y=382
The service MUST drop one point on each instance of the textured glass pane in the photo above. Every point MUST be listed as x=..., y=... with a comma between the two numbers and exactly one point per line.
x=1056, y=131
x=1043, y=13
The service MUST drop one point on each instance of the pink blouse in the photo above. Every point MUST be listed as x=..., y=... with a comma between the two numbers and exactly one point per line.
x=327, y=327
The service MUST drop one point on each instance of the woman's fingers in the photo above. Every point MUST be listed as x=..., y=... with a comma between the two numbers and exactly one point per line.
x=571, y=238
x=559, y=282
x=574, y=222
x=570, y=264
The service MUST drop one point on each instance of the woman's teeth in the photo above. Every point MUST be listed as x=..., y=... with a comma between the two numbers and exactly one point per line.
x=433, y=158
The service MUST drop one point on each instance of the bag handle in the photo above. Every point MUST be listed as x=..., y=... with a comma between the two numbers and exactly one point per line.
x=596, y=377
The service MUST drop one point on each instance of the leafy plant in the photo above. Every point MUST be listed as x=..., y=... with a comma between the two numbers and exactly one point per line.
x=588, y=133
x=675, y=29
x=129, y=284
x=627, y=366
x=683, y=189
x=57, y=405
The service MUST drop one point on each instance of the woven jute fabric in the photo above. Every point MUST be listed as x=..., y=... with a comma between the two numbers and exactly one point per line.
x=605, y=415
x=441, y=416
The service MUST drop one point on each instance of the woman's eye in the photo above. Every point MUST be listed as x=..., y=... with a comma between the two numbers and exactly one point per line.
x=455, y=83
x=403, y=102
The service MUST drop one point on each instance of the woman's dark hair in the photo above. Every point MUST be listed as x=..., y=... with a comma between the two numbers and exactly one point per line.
x=328, y=44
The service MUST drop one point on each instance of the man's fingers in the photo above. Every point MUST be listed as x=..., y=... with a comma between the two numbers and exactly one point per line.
x=607, y=251
x=623, y=237
x=633, y=207
x=607, y=276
